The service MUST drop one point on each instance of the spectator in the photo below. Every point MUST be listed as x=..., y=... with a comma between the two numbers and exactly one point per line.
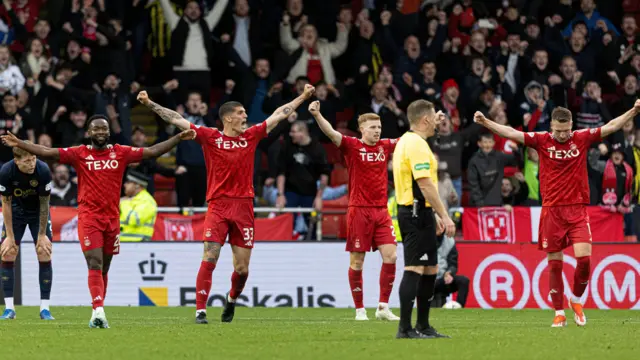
x=617, y=179
x=74, y=130
x=11, y=79
x=149, y=167
x=536, y=110
x=191, y=173
x=190, y=34
x=514, y=191
x=591, y=18
x=394, y=121
x=310, y=56
x=12, y=119
x=531, y=168
x=302, y=163
x=138, y=209
x=591, y=111
x=446, y=190
x=448, y=281
x=486, y=170
x=63, y=191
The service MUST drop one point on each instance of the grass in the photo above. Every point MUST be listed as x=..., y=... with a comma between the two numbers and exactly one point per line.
x=321, y=333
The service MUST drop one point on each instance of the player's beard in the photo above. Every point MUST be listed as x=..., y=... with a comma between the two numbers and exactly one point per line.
x=96, y=142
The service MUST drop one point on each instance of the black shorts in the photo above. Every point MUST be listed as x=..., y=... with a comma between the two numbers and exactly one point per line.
x=418, y=236
x=20, y=226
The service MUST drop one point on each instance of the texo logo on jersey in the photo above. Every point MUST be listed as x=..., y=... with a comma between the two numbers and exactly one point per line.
x=230, y=144
x=564, y=154
x=102, y=164
x=373, y=157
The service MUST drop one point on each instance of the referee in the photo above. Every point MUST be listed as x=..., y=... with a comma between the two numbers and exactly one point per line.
x=415, y=174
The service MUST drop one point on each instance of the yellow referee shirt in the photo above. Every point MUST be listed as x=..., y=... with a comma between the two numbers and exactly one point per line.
x=412, y=159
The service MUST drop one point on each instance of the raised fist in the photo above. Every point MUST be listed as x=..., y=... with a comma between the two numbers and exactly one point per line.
x=314, y=108
x=143, y=97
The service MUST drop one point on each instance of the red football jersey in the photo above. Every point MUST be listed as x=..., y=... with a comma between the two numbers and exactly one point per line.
x=100, y=174
x=229, y=160
x=563, y=166
x=368, y=174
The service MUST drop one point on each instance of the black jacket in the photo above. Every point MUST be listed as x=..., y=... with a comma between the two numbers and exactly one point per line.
x=485, y=175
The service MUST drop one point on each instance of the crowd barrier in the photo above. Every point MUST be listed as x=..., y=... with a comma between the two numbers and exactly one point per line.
x=494, y=224
x=312, y=274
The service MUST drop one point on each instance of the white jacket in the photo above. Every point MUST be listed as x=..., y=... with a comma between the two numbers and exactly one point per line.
x=12, y=79
x=326, y=51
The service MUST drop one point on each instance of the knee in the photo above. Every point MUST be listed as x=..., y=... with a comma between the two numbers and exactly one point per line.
x=42, y=257
x=390, y=257
x=462, y=281
x=11, y=255
x=94, y=263
x=356, y=264
x=242, y=269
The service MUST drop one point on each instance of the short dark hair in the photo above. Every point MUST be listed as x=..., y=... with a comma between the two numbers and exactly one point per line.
x=486, y=135
x=97, y=117
x=228, y=108
x=561, y=115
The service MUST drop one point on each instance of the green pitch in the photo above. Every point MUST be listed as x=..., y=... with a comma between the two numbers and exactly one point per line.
x=285, y=333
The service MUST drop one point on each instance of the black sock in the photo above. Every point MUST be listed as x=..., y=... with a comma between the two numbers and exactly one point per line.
x=408, y=290
x=46, y=277
x=425, y=295
x=6, y=277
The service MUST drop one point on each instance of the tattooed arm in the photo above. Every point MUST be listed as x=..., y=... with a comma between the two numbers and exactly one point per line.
x=167, y=115
x=285, y=110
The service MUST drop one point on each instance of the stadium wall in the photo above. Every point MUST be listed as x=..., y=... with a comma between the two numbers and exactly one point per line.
x=315, y=275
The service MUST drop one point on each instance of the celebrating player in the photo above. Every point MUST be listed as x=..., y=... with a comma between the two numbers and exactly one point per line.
x=25, y=185
x=370, y=227
x=229, y=157
x=100, y=169
x=564, y=187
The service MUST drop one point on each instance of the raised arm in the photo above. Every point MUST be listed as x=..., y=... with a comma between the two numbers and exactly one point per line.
x=285, y=110
x=617, y=123
x=213, y=17
x=164, y=147
x=170, y=16
x=501, y=130
x=38, y=150
x=325, y=126
x=167, y=115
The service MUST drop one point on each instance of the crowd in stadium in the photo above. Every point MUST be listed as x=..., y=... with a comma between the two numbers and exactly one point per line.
x=61, y=62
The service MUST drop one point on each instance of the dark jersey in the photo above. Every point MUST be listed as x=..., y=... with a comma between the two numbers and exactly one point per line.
x=25, y=189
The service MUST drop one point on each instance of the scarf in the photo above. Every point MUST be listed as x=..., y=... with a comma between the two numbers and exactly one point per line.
x=609, y=186
x=35, y=66
x=376, y=63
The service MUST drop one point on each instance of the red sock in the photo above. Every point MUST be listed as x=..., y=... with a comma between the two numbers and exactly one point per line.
x=96, y=288
x=581, y=276
x=237, y=284
x=387, y=277
x=355, y=281
x=105, y=280
x=203, y=284
x=556, y=285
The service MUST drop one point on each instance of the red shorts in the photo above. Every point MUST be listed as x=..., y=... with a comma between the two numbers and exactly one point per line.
x=99, y=233
x=233, y=217
x=368, y=228
x=563, y=226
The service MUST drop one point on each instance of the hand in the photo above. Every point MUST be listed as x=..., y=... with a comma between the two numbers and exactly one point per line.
x=363, y=69
x=449, y=226
x=229, y=85
x=281, y=201
x=293, y=117
x=43, y=246
x=607, y=39
x=67, y=27
x=439, y=225
x=407, y=79
x=501, y=71
x=554, y=80
x=10, y=140
x=636, y=106
x=341, y=27
x=557, y=19
x=9, y=247
x=440, y=117
x=111, y=112
x=180, y=170
x=613, y=75
x=314, y=108
x=446, y=46
x=45, y=66
x=285, y=18
x=275, y=88
x=180, y=109
x=430, y=92
x=91, y=22
x=86, y=57
x=143, y=97
x=519, y=176
x=385, y=17
x=448, y=278
x=171, y=85
x=596, y=93
x=508, y=207
x=457, y=10
x=188, y=135
x=224, y=38
x=332, y=89
x=526, y=118
x=61, y=110
x=524, y=45
x=541, y=103
x=456, y=42
x=309, y=90
x=269, y=182
x=603, y=149
x=479, y=118
x=600, y=24
x=486, y=76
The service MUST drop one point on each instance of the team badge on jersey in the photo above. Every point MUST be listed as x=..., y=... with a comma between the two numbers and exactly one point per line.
x=87, y=242
x=112, y=155
x=207, y=233
x=33, y=183
x=545, y=244
x=380, y=149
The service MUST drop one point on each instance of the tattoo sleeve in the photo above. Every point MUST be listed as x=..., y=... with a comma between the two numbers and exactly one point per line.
x=7, y=212
x=167, y=115
x=44, y=215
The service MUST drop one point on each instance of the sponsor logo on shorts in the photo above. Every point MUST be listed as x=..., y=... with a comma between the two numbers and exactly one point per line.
x=423, y=166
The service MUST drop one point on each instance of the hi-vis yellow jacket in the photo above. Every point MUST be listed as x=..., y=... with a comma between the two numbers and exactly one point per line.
x=392, y=206
x=137, y=217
